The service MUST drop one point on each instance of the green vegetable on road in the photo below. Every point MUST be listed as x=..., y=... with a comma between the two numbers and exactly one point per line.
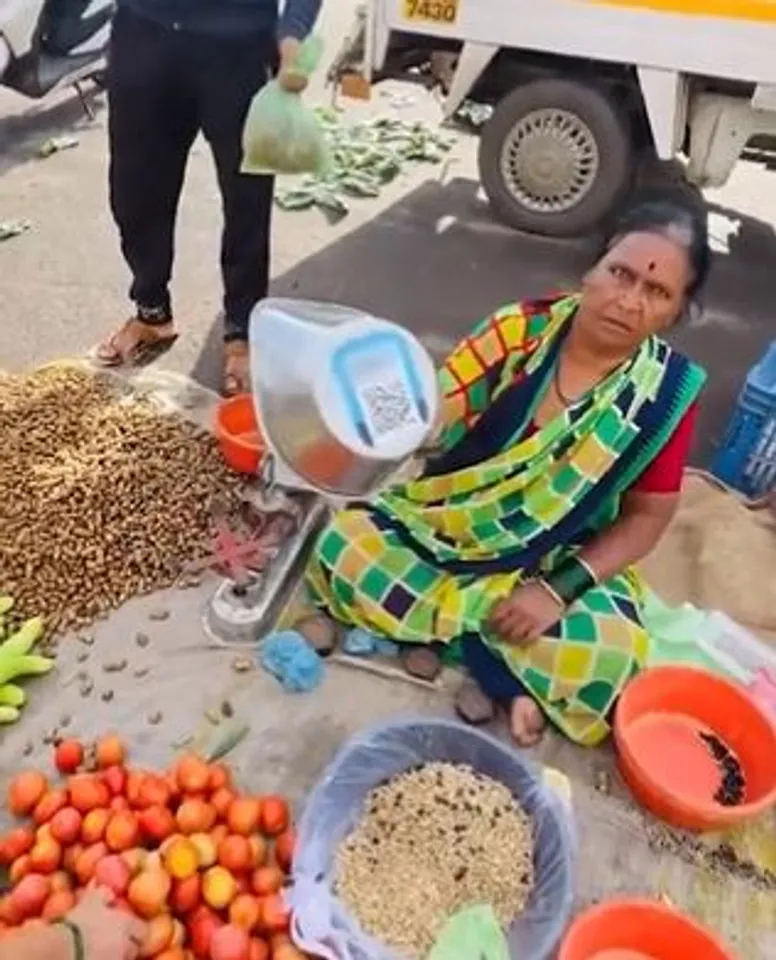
x=12, y=696
x=17, y=660
x=363, y=158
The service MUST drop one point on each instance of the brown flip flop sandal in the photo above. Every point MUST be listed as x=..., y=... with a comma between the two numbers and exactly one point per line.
x=145, y=350
x=473, y=706
x=423, y=663
x=237, y=368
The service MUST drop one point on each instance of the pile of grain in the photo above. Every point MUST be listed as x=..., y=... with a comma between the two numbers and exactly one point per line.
x=102, y=496
x=431, y=842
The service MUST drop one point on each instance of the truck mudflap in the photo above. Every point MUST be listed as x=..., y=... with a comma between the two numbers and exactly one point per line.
x=474, y=59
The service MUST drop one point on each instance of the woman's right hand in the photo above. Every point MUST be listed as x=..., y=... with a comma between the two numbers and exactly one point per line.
x=108, y=933
x=526, y=615
x=289, y=76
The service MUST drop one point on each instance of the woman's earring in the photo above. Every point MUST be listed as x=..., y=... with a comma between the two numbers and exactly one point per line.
x=693, y=312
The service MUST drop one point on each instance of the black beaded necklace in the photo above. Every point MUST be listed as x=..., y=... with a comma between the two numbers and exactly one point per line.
x=566, y=401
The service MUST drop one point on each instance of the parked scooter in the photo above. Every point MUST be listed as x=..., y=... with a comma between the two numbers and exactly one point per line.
x=46, y=45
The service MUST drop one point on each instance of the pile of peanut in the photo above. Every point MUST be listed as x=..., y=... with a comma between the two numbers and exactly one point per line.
x=431, y=842
x=102, y=495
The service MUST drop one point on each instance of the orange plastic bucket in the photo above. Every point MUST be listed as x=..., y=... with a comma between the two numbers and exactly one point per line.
x=325, y=463
x=639, y=930
x=238, y=434
x=658, y=725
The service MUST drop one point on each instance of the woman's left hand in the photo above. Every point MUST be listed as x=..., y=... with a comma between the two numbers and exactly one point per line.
x=525, y=615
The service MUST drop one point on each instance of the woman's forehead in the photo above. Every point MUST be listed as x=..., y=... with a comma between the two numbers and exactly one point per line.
x=652, y=251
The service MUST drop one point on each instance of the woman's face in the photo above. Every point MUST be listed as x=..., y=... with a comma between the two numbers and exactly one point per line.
x=638, y=288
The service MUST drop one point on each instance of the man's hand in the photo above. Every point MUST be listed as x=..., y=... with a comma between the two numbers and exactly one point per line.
x=108, y=934
x=526, y=615
x=289, y=77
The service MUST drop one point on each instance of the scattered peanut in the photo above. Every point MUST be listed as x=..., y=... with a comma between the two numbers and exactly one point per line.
x=213, y=717
x=242, y=664
x=115, y=666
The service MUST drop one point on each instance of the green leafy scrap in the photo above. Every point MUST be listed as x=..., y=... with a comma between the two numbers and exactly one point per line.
x=365, y=156
x=473, y=933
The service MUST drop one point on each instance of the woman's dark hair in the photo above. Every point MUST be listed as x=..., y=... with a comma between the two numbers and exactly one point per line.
x=679, y=223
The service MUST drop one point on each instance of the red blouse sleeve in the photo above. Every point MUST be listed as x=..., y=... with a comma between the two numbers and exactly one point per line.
x=664, y=474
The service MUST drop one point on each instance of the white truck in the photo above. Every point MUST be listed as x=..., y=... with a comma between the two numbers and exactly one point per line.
x=583, y=91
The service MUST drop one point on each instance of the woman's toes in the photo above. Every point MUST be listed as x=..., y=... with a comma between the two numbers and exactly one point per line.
x=526, y=721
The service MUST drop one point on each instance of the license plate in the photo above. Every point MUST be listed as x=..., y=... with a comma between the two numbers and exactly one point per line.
x=431, y=11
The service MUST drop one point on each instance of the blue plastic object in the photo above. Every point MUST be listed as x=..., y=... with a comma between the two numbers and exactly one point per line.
x=363, y=643
x=324, y=928
x=287, y=656
x=747, y=458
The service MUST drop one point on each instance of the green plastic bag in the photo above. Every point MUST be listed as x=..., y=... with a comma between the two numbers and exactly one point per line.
x=473, y=933
x=282, y=135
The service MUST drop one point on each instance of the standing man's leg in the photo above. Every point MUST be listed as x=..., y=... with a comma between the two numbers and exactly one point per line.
x=152, y=126
x=231, y=71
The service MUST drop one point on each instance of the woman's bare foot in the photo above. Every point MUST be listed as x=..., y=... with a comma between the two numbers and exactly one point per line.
x=136, y=344
x=526, y=721
x=237, y=368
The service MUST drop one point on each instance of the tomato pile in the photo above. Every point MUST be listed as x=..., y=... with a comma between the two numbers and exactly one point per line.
x=202, y=864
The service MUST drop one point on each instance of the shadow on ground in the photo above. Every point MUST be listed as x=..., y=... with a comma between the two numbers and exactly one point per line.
x=22, y=134
x=436, y=261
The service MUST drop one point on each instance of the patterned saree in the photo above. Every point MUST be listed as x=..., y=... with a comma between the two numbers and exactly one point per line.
x=427, y=560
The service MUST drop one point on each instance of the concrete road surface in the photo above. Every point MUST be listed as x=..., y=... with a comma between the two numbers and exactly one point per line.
x=426, y=253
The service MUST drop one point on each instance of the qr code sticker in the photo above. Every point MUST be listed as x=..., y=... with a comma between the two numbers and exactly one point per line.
x=389, y=406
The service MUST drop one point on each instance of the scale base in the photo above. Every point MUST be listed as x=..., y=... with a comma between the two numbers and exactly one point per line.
x=241, y=616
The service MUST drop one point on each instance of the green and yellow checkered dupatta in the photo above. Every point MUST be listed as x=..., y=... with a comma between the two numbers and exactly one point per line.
x=428, y=559
x=502, y=505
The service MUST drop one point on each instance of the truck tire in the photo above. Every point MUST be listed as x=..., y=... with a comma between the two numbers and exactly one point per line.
x=555, y=158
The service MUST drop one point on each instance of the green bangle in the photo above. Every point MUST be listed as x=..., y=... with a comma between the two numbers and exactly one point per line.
x=570, y=580
x=79, y=950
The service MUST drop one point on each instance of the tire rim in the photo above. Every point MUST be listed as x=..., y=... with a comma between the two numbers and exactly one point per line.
x=549, y=160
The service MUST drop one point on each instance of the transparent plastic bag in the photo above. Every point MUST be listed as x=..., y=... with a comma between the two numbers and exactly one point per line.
x=280, y=134
x=322, y=925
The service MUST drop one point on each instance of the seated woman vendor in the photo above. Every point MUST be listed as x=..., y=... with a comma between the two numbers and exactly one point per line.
x=565, y=428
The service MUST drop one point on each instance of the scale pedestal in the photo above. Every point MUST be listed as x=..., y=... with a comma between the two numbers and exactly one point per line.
x=241, y=614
